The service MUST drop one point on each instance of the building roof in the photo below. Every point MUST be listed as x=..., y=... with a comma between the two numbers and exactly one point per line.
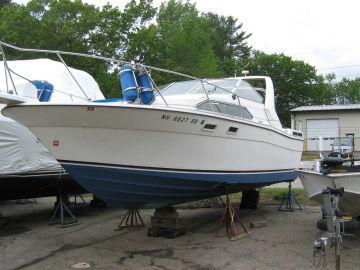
x=334, y=107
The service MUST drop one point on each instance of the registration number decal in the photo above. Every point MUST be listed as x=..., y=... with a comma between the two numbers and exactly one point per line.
x=182, y=119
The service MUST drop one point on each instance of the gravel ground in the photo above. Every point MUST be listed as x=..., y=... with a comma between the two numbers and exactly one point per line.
x=285, y=243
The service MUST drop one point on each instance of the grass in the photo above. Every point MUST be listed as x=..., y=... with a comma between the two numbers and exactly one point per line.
x=268, y=196
x=309, y=156
x=274, y=196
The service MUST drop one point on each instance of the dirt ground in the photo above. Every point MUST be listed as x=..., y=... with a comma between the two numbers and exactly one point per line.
x=28, y=242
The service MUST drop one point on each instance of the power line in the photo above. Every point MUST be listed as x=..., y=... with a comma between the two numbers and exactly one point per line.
x=322, y=51
x=339, y=67
x=346, y=76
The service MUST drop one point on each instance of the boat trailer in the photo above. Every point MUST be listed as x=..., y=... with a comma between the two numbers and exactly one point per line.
x=335, y=225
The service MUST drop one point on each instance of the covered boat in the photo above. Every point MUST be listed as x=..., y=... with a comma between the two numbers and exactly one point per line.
x=27, y=169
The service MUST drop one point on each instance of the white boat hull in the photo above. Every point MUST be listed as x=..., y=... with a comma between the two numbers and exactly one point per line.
x=155, y=138
x=126, y=141
x=315, y=182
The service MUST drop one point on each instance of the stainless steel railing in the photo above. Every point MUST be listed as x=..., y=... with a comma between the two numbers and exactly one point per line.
x=8, y=71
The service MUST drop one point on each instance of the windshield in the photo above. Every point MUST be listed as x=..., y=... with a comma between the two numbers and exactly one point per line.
x=217, y=86
x=179, y=88
x=223, y=86
x=245, y=90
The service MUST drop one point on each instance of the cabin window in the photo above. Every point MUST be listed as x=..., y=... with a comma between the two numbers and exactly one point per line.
x=232, y=129
x=209, y=127
x=234, y=110
x=225, y=108
x=206, y=106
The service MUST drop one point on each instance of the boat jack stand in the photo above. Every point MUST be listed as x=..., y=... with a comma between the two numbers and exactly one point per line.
x=289, y=201
x=230, y=218
x=62, y=209
x=132, y=218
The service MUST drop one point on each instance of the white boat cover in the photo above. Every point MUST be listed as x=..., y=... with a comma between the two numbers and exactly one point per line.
x=20, y=150
x=55, y=73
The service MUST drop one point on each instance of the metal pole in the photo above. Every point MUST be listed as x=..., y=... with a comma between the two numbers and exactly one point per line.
x=6, y=67
x=241, y=112
x=156, y=88
x=5, y=73
x=207, y=96
x=337, y=245
x=67, y=68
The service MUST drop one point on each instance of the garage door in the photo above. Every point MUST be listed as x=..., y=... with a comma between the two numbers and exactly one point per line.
x=328, y=129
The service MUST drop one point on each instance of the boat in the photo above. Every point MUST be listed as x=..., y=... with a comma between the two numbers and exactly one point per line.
x=27, y=169
x=335, y=173
x=161, y=146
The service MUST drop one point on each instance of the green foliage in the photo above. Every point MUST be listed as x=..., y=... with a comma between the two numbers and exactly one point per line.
x=4, y=3
x=179, y=40
x=175, y=36
x=270, y=195
x=228, y=41
x=296, y=83
x=77, y=27
x=347, y=91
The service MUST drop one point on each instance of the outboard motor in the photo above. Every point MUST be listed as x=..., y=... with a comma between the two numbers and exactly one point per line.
x=146, y=94
x=329, y=163
x=128, y=83
x=45, y=90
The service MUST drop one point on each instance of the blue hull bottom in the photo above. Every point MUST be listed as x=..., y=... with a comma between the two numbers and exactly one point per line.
x=135, y=188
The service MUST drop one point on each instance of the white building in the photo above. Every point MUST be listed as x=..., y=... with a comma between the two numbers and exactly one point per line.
x=327, y=122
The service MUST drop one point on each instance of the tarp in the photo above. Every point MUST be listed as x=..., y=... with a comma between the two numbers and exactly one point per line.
x=20, y=150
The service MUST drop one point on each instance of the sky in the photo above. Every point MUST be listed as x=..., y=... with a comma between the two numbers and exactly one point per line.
x=323, y=33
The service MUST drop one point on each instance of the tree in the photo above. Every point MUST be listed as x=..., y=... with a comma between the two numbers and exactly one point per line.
x=347, y=91
x=4, y=3
x=78, y=27
x=296, y=83
x=179, y=40
x=229, y=42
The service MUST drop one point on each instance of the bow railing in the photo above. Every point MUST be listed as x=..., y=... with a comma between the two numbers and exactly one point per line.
x=9, y=72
